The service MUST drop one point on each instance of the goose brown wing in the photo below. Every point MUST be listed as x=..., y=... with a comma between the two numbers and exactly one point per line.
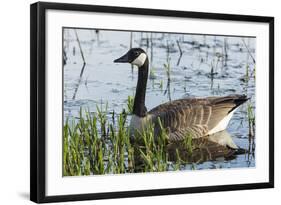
x=194, y=115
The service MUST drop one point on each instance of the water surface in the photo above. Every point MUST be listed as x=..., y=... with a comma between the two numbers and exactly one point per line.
x=201, y=65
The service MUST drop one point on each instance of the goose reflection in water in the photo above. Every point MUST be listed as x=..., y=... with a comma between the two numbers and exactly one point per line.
x=217, y=146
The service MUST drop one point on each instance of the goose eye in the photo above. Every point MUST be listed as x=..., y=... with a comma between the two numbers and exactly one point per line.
x=137, y=53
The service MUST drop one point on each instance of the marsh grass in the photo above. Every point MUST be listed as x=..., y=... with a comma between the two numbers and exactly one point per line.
x=130, y=104
x=152, y=150
x=101, y=143
x=167, y=67
x=251, y=121
x=89, y=150
x=95, y=145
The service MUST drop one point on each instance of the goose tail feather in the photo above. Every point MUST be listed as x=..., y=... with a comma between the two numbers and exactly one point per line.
x=239, y=101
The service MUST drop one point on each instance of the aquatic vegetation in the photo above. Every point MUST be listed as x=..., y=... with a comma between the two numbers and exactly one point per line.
x=88, y=150
x=167, y=67
x=99, y=143
x=152, y=149
x=130, y=104
x=152, y=74
x=251, y=119
x=161, y=85
x=251, y=132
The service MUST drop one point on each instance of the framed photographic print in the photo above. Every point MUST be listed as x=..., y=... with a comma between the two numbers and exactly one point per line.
x=129, y=102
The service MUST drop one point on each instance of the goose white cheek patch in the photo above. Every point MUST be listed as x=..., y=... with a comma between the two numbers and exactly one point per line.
x=139, y=61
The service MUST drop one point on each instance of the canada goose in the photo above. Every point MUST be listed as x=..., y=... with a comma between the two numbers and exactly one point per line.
x=198, y=116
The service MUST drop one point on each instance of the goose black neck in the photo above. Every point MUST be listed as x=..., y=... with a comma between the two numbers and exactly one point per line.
x=139, y=108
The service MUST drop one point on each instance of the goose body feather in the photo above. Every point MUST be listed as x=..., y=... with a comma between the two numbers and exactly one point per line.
x=198, y=117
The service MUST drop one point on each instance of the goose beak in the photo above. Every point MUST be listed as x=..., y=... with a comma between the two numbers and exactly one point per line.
x=122, y=59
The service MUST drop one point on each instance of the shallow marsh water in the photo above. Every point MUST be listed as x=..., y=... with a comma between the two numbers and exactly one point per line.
x=200, y=65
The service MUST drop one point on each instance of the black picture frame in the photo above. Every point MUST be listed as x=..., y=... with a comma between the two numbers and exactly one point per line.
x=38, y=100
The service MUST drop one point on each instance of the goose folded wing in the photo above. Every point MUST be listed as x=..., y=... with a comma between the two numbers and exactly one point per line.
x=195, y=116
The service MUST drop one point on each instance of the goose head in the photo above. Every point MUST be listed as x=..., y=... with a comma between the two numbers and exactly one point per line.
x=138, y=57
x=135, y=56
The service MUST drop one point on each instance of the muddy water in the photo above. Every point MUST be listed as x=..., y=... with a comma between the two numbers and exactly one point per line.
x=201, y=65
